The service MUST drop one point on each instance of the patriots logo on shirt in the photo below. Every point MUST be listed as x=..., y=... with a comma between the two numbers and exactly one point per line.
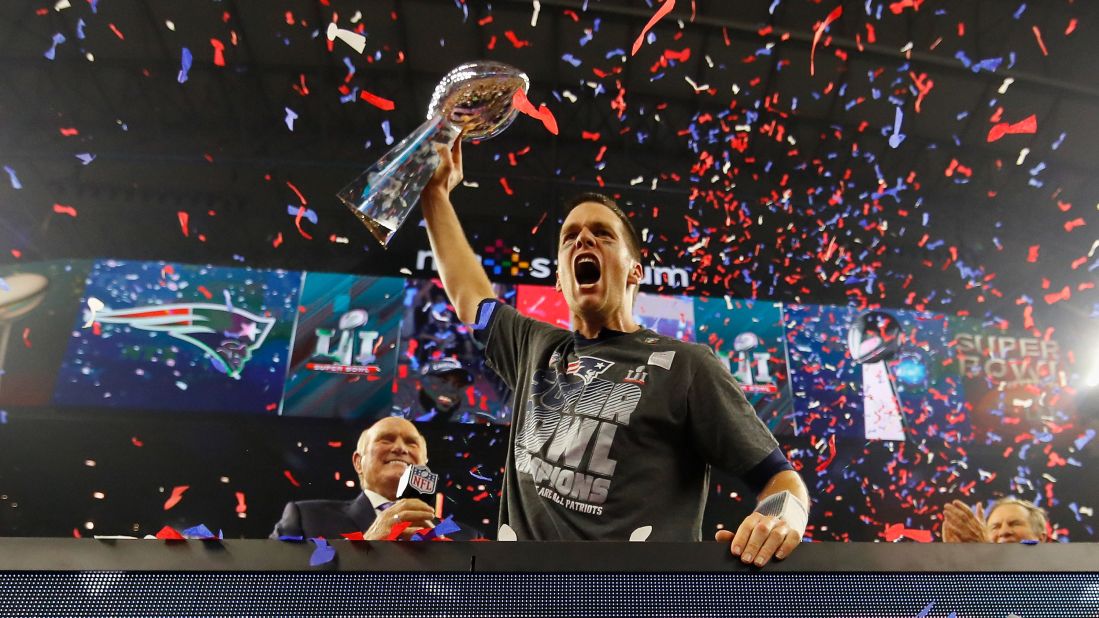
x=588, y=367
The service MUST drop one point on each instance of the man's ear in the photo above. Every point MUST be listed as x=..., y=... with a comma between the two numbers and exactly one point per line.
x=637, y=272
x=557, y=281
x=357, y=462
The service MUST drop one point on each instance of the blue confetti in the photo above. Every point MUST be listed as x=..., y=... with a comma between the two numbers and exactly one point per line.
x=51, y=53
x=86, y=157
x=1084, y=439
x=323, y=554
x=185, y=65
x=897, y=137
x=15, y=184
x=200, y=532
x=291, y=116
x=308, y=213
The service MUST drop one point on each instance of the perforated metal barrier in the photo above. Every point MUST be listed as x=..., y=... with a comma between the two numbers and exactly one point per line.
x=260, y=578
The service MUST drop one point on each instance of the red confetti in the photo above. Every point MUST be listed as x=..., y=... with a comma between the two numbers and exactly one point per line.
x=1064, y=294
x=202, y=290
x=1075, y=223
x=923, y=85
x=116, y=31
x=896, y=531
x=660, y=13
x=69, y=131
x=376, y=101
x=290, y=477
x=396, y=530
x=27, y=337
x=523, y=104
x=1041, y=43
x=1071, y=26
x=1032, y=254
x=297, y=223
x=219, y=52
x=136, y=442
x=277, y=241
x=177, y=495
x=898, y=7
x=822, y=466
x=1026, y=125
x=241, y=506
x=504, y=184
x=168, y=533
x=62, y=209
x=833, y=16
x=184, y=217
x=519, y=44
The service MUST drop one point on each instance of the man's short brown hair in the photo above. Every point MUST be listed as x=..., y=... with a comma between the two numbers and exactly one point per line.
x=633, y=240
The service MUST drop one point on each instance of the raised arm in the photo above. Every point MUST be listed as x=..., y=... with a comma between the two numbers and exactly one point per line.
x=463, y=276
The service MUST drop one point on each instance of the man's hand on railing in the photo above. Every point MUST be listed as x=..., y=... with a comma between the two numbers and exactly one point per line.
x=761, y=537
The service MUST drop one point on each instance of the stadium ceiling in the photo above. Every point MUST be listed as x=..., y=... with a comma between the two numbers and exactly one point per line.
x=770, y=120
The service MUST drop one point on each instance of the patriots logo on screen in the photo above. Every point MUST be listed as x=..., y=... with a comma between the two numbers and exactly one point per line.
x=587, y=367
x=228, y=335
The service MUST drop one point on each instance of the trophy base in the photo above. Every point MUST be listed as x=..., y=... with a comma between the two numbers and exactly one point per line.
x=379, y=231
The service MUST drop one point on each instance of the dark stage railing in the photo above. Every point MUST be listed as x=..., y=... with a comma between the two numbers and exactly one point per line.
x=84, y=577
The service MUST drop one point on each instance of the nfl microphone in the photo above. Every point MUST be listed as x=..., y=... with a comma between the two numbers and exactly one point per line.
x=418, y=482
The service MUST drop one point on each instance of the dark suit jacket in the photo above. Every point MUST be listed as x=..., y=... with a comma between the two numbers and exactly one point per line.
x=327, y=518
x=331, y=518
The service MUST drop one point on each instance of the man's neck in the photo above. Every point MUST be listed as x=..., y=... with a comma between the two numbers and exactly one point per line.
x=589, y=328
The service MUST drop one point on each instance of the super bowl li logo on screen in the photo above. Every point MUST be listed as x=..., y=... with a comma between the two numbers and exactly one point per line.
x=348, y=349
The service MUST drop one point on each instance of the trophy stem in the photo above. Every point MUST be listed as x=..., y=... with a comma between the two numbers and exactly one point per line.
x=384, y=195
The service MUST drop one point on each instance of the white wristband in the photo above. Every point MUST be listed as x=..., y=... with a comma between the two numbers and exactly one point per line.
x=786, y=507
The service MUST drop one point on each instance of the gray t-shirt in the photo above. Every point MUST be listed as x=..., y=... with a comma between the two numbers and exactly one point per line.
x=613, y=434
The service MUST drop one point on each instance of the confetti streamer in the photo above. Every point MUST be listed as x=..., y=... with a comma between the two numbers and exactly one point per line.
x=353, y=39
x=660, y=13
x=177, y=495
x=15, y=184
x=818, y=32
x=62, y=209
x=543, y=114
x=184, y=65
x=323, y=554
x=379, y=102
x=1025, y=126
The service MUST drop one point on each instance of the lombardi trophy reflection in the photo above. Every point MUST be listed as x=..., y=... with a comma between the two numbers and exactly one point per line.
x=473, y=101
x=21, y=293
x=873, y=339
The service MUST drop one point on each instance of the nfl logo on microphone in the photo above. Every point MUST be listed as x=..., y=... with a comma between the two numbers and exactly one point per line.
x=422, y=479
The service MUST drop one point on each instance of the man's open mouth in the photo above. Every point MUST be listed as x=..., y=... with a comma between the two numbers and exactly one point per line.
x=587, y=270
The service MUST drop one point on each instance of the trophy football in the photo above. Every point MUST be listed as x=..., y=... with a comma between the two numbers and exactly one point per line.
x=473, y=102
x=873, y=339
